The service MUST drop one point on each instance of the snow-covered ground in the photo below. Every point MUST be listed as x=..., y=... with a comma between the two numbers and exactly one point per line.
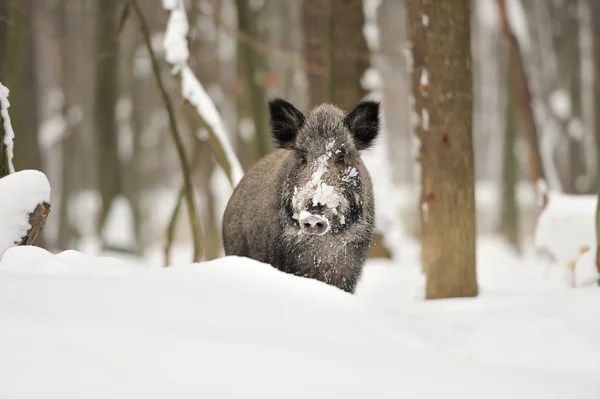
x=76, y=326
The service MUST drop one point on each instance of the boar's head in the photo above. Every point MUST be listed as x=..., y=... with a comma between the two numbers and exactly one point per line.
x=323, y=188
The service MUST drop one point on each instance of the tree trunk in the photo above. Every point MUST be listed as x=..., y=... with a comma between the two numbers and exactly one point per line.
x=509, y=213
x=105, y=101
x=594, y=7
x=67, y=21
x=4, y=32
x=442, y=87
x=315, y=24
x=24, y=90
x=350, y=56
x=253, y=70
x=334, y=41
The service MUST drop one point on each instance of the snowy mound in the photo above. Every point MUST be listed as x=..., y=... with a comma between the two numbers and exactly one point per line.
x=20, y=193
x=74, y=326
x=566, y=229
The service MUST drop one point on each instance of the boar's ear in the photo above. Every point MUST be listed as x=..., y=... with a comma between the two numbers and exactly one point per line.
x=286, y=120
x=363, y=122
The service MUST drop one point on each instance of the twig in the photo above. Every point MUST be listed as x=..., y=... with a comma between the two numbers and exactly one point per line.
x=175, y=213
x=185, y=168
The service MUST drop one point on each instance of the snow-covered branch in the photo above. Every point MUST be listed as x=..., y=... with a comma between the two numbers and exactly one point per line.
x=176, y=54
x=6, y=134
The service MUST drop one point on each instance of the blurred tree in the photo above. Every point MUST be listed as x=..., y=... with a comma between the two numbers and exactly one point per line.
x=594, y=7
x=252, y=67
x=509, y=212
x=22, y=81
x=110, y=184
x=565, y=39
x=316, y=23
x=4, y=29
x=4, y=18
x=66, y=19
x=334, y=41
x=442, y=87
x=19, y=75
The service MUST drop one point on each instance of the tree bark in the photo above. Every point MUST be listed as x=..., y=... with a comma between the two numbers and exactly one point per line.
x=442, y=87
x=105, y=101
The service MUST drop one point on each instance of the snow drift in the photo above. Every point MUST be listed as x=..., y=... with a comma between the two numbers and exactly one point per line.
x=78, y=326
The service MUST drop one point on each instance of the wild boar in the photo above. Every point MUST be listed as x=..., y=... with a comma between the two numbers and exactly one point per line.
x=308, y=208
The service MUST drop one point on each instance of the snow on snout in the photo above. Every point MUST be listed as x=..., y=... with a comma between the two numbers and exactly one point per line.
x=316, y=191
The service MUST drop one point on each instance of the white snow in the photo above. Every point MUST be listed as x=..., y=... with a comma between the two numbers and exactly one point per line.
x=247, y=129
x=425, y=119
x=9, y=134
x=177, y=53
x=424, y=81
x=560, y=103
x=518, y=22
x=20, y=193
x=371, y=79
x=425, y=210
x=79, y=326
x=566, y=230
x=370, y=28
x=119, y=230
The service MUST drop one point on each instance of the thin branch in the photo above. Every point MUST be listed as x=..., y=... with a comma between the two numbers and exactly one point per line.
x=175, y=212
x=185, y=168
x=523, y=97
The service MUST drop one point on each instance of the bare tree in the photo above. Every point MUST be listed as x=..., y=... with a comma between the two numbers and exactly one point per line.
x=333, y=40
x=21, y=78
x=253, y=70
x=442, y=87
x=594, y=7
x=509, y=210
x=106, y=97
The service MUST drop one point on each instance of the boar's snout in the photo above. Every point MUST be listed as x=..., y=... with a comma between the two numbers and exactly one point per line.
x=313, y=224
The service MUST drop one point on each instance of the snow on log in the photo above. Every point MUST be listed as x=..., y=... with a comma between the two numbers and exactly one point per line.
x=24, y=207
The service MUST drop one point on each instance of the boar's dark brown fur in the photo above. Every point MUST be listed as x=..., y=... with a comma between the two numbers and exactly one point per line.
x=307, y=208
